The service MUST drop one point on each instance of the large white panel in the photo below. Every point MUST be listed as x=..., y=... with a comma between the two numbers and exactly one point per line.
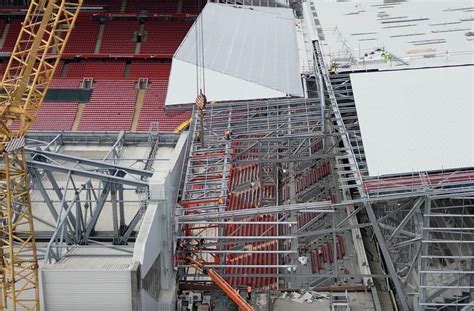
x=257, y=44
x=416, y=120
x=248, y=53
x=219, y=86
x=87, y=290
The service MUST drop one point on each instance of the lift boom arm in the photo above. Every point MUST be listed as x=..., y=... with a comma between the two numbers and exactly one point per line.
x=222, y=284
x=38, y=49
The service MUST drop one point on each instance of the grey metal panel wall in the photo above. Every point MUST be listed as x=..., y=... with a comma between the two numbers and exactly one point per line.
x=87, y=290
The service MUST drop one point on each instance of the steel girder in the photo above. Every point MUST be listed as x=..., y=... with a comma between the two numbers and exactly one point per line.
x=405, y=231
x=76, y=191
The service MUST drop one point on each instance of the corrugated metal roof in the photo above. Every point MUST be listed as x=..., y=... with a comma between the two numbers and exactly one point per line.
x=255, y=47
x=416, y=120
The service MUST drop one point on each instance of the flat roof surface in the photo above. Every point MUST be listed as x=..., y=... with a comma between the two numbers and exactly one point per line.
x=248, y=53
x=416, y=120
x=94, y=258
x=416, y=33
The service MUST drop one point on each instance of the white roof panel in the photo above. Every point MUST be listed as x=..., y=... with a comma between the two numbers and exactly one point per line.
x=256, y=47
x=416, y=120
x=416, y=33
x=219, y=86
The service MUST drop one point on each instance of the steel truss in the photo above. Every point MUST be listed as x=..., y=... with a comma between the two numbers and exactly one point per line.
x=76, y=190
x=270, y=174
x=427, y=250
x=278, y=154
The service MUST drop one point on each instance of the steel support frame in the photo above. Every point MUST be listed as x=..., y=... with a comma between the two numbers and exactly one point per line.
x=353, y=175
x=402, y=223
x=270, y=133
x=90, y=184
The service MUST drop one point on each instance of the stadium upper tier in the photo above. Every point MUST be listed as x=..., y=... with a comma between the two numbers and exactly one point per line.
x=121, y=64
x=129, y=6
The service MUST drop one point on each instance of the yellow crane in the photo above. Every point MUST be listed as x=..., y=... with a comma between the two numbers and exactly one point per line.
x=38, y=49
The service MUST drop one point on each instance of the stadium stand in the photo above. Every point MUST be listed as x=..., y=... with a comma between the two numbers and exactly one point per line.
x=164, y=37
x=193, y=6
x=84, y=37
x=119, y=37
x=152, y=6
x=151, y=70
x=153, y=109
x=2, y=26
x=55, y=116
x=76, y=69
x=116, y=69
x=111, y=106
x=12, y=35
x=105, y=69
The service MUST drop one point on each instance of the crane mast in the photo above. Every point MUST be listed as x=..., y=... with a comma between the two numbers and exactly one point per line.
x=38, y=49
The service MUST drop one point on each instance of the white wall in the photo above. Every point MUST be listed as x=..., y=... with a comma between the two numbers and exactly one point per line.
x=156, y=231
x=86, y=290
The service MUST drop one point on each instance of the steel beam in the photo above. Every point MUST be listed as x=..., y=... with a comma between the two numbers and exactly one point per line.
x=402, y=299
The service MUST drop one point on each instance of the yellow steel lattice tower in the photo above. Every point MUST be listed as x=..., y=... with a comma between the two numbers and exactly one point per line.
x=30, y=69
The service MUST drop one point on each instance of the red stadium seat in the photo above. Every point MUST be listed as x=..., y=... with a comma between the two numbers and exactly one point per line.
x=119, y=37
x=164, y=37
x=153, y=109
x=152, y=6
x=83, y=38
x=12, y=35
x=111, y=107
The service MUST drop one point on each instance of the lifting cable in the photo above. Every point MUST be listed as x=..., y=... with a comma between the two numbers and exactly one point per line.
x=199, y=29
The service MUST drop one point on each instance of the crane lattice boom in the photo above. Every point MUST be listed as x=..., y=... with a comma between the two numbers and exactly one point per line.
x=38, y=49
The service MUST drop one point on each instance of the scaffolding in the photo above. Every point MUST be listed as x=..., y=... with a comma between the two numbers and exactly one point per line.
x=260, y=205
x=281, y=202
x=421, y=221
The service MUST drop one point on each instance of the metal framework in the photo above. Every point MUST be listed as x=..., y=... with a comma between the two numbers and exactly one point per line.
x=246, y=197
x=417, y=229
x=41, y=41
x=426, y=251
x=76, y=191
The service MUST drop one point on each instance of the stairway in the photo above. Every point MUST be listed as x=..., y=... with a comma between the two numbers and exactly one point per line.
x=4, y=35
x=138, y=108
x=100, y=35
x=77, y=118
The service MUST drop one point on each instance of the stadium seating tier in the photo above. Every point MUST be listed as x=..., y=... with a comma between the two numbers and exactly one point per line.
x=113, y=97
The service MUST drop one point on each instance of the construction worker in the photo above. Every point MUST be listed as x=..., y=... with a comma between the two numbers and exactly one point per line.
x=249, y=292
x=333, y=68
x=201, y=243
x=227, y=134
x=386, y=56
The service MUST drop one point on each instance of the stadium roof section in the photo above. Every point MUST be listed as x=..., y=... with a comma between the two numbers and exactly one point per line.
x=416, y=120
x=415, y=33
x=249, y=53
